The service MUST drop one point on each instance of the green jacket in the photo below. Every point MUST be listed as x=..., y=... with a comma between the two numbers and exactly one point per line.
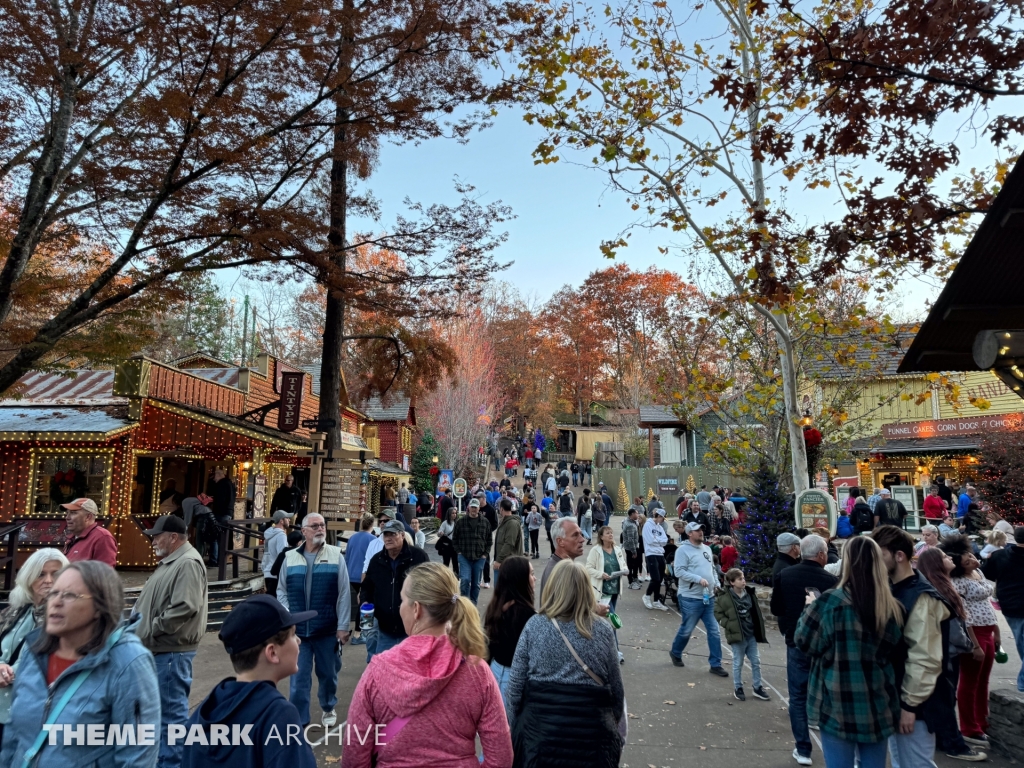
x=725, y=614
x=508, y=539
x=174, y=603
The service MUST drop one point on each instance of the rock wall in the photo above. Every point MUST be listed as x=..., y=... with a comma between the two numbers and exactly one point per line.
x=1006, y=722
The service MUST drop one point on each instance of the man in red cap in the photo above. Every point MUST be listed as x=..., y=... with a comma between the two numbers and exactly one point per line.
x=87, y=539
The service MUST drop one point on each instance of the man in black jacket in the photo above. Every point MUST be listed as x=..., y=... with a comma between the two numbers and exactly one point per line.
x=287, y=497
x=382, y=586
x=695, y=515
x=788, y=545
x=789, y=595
x=1006, y=569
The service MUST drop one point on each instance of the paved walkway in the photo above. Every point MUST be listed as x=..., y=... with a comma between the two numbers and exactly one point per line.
x=676, y=715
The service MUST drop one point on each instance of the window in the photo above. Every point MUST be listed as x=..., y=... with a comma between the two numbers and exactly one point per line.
x=61, y=475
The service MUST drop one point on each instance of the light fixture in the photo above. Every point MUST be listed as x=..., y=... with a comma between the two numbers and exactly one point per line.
x=806, y=421
x=435, y=459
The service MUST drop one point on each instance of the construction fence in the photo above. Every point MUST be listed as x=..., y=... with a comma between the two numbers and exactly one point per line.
x=667, y=483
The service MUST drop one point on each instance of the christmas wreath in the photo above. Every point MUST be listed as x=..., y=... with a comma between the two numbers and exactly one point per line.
x=812, y=437
x=67, y=486
x=434, y=470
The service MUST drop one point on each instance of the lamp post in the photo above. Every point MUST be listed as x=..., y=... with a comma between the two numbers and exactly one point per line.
x=437, y=476
x=807, y=420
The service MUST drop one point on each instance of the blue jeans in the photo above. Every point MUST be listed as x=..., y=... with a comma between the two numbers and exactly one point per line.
x=1017, y=627
x=586, y=525
x=694, y=610
x=174, y=676
x=501, y=674
x=324, y=653
x=378, y=642
x=914, y=750
x=798, y=670
x=745, y=649
x=470, y=573
x=843, y=754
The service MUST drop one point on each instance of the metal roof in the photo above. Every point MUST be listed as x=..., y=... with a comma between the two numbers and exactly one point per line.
x=917, y=445
x=858, y=356
x=398, y=410
x=659, y=416
x=225, y=376
x=95, y=421
x=983, y=293
x=70, y=388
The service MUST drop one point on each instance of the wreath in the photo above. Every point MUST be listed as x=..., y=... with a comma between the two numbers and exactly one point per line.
x=67, y=486
x=812, y=437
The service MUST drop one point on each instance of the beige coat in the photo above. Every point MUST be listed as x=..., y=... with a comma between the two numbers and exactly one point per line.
x=174, y=603
x=595, y=567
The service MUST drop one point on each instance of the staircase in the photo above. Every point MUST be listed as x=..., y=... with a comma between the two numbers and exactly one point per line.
x=224, y=596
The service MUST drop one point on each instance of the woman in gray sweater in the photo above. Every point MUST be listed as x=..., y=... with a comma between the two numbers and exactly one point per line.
x=560, y=713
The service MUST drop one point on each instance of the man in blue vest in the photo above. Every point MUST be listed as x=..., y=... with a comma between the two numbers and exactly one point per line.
x=315, y=578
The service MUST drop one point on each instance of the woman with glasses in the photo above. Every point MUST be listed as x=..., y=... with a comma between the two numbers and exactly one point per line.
x=83, y=667
x=24, y=614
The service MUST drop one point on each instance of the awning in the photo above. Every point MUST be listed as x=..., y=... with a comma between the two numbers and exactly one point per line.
x=239, y=426
x=33, y=423
x=937, y=445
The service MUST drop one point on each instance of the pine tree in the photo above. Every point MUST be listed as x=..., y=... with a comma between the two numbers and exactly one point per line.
x=769, y=513
x=623, y=495
x=423, y=462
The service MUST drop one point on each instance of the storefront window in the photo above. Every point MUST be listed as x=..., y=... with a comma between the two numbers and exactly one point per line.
x=63, y=476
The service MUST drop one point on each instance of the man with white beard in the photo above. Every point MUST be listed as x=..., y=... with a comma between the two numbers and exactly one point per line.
x=315, y=578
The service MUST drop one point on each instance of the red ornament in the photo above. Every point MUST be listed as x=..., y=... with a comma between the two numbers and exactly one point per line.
x=434, y=470
x=812, y=437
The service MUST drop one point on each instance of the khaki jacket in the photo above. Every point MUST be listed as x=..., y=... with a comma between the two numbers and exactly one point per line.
x=173, y=604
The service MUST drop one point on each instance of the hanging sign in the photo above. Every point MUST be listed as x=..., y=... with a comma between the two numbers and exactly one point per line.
x=288, y=415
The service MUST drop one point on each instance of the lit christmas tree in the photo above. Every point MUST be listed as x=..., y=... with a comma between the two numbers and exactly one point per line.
x=691, y=484
x=769, y=513
x=622, y=501
x=1001, y=476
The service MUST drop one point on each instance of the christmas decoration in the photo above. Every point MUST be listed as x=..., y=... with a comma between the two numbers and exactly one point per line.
x=1000, y=472
x=651, y=494
x=423, y=467
x=769, y=513
x=67, y=486
x=622, y=501
x=691, y=484
x=812, y=441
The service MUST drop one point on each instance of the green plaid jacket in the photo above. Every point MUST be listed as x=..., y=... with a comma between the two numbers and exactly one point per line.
x=852, y=691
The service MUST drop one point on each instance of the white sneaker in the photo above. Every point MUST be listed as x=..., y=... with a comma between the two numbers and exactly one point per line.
x=329, y=719
x=485, y=585
x=660, y=607
x=622, y=659
x=801, y=760
x=647, y=577
x=647, y=602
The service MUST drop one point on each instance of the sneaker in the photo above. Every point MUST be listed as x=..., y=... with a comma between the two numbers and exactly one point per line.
x=814, y=727
x=971, y=755
x=676, y=660
x=660, y=606
x=647, y=602
x=647, y=577
x=981, y=740
x=802, y=759
x=329, y=719
x=762, y=694
x=635, y=585
x=485, y=585
x=357, y=641
x=738, y=694
x=718, y=671
x=622, y=659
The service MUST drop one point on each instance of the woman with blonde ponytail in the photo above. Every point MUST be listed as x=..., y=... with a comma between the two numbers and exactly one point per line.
x=433, y=682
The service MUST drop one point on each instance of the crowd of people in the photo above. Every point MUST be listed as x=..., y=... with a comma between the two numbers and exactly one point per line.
x=890, y=642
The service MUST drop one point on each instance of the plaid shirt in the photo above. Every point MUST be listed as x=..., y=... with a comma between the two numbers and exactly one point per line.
x=472, y=537
x=852, y=691
x=630, y=536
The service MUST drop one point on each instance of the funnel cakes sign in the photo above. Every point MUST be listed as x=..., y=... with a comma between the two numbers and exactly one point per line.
x=971, y=425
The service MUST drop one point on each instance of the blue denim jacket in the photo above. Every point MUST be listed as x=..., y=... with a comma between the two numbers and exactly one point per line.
x=122, y=689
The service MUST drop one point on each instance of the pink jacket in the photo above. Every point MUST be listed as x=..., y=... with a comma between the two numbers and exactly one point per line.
x=448, y=700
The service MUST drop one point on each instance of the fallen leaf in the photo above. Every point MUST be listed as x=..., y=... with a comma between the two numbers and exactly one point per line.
x=709, y=725
x=703, y=749
x=691, y=684
x=669, y=702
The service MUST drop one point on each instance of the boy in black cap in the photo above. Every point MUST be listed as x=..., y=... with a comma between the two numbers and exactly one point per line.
x=260, y=636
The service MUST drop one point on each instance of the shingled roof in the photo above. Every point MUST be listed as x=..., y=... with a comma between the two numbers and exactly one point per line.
x=856, y=356
x=398, y=409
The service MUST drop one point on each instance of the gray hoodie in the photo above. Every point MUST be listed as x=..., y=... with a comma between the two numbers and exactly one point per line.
x=691, y=565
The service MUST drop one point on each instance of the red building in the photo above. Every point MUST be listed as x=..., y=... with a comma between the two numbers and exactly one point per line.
x=390, y=434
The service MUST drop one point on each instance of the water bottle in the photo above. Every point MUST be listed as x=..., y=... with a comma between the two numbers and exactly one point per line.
x=615, y=620
x=707, y=596
x=366, y=616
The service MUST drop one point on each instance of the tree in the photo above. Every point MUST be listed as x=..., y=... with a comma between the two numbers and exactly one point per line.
x=769, y=513
x=202, y=321
x=166, y=138
x=1001, y=474
x=423, y=466
x=460, y=411
x=889, y=75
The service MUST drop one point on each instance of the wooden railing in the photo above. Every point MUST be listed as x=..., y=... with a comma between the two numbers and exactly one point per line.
x=249, y=529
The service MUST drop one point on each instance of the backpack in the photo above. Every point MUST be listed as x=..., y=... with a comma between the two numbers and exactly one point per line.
x=864, y=519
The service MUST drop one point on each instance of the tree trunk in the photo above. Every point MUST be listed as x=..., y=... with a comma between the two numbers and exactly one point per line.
x=797, y=448
x=334, y=319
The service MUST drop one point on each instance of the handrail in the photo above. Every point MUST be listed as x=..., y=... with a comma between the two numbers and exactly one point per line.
x=10, y=532
x=227, y=530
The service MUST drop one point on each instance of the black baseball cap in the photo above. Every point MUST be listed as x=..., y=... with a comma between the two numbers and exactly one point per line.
x=167, y=524
x=256, y=619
